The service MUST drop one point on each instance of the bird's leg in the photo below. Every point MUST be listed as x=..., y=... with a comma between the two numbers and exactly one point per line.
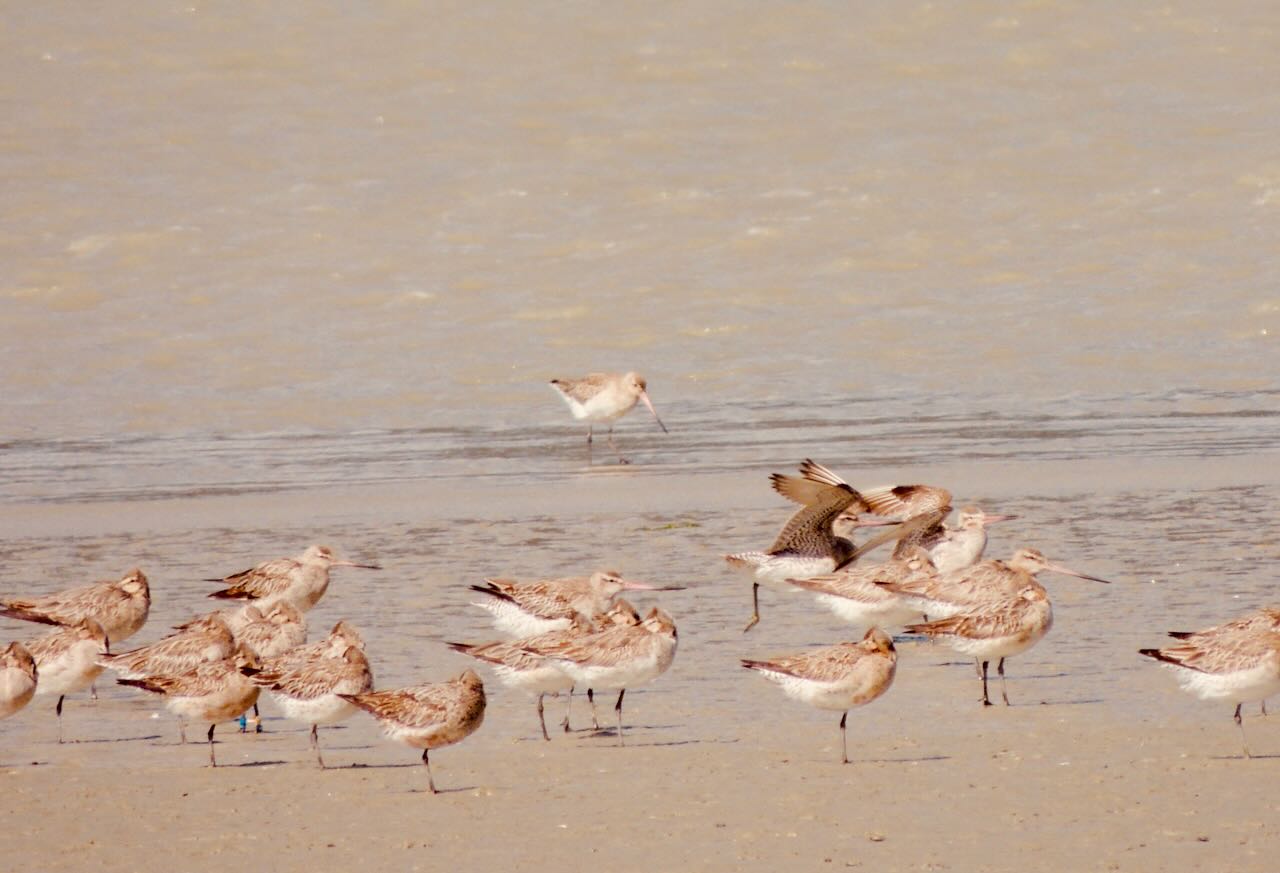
x=93, y=690
x=1003, y=691
x=612, y=445
x=182, y=732
x=755, y=607
x=844, y=743
x=257, y=720
x=1240, y=721
x=588, y=445
x=213, y=761
x=568, y=707
x=1264, y=707
x=977, y=665
x=986, y=701
x=591, y=698
x=542, y=723
x=315, y=744
x=618, y=708
x=58, y=710
x=426, y=762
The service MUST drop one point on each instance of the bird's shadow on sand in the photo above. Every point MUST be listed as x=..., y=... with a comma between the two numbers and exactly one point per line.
x=1243, y=758
x=919, y=759
x=107, y=740
x=252, y=764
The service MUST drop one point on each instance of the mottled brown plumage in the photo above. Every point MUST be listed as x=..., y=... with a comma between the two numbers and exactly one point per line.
x=428, y=716
x=120, y=606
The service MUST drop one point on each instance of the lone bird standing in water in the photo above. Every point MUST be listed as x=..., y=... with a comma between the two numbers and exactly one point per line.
x=605, y=397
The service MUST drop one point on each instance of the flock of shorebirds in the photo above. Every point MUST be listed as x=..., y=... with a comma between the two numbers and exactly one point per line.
x=578, y=632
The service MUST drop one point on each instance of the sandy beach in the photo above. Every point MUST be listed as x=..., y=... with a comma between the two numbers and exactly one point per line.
x=289, y=273
x=1100, y=764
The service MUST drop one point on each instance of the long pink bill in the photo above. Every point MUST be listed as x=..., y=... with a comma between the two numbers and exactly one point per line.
x=1066, y=571
x=644, y=396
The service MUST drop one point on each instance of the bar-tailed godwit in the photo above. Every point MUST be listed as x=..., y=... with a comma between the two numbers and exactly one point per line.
x=995, y=629
x=835, y=678
x=858, y=594
x=312, y=691
x=120, y=607
x=280, y=629
x=622, y=656
x=215, y=692
x=527, y=609
x=1237, y=662
x=302, y=580
x=599, y=398
x=201, y=641
x=516, y=666
x=67, y=660
x=428, y=716
x=807, y=544
x=941, y=595
x=953, y=548
x=18, y=677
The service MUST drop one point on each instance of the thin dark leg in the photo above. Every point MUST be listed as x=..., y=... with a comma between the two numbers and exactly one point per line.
x=542, y=723
x=588, y=445
x=755, y=607
x=986, y=701
x=58, y=710
x=1004, y=692
x=568, y=708
x=426, y=762
x=213, y=761
x=257, y=720
x=93, y=690
x=591, y=698
x=315, y=744
x=844, y=743
x=1240, y=722
x=182, y=731
x=613, y=445
x=618, y=708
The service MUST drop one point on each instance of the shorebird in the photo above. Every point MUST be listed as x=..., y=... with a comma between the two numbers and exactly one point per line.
x=527, y=609
x=952, y=548
x=518, y=667
x=18, y=678
x=858, y=594
x=342, y=636
x=605, y=397
x=1237, y=662
x=213, y=692
x=313, y=691
x=67, y=660
x=280, y=629
x=1267, y=617
x=808, y=544
x=301, y=581
x=120, y=607
x=201, y=641
x=428, y=716
x=998, y=628
x=619, y=657
x=837, y=677
x=945, y=594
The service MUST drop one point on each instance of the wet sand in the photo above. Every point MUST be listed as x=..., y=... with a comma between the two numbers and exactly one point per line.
x=1100, y=764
